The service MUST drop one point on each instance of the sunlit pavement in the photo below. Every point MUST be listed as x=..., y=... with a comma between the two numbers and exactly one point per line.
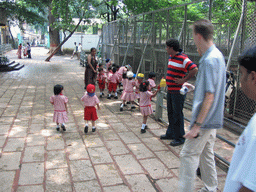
x=117, y=157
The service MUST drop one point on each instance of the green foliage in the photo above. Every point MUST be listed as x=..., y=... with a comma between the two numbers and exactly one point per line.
x=27, y=11
x=66, y=10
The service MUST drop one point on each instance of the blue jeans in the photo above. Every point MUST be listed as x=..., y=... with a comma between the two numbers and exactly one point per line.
x=175, y=103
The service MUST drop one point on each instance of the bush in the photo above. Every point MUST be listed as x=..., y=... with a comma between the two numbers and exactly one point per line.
x=4, y=60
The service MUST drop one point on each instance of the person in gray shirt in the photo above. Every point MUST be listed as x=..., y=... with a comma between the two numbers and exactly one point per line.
x=207, y=112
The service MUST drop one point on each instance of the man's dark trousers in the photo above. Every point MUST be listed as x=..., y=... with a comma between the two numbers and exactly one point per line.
x=175, y=103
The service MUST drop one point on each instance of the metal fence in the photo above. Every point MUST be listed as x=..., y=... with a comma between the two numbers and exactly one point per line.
x=140, y=42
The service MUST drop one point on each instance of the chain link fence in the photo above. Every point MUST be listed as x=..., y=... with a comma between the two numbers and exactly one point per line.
x=238, y=106
x=140, y=42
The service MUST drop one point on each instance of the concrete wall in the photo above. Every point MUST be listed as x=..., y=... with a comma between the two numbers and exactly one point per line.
x=88, y=41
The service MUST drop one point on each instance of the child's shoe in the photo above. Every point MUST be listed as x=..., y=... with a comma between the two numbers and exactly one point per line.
x=128, y=102
x=143, y=130
x=63, y=127
x=133, y=107
x=57, y=128
x=115, y=97
x=122, y=107
x=109, y=97
x=86, y=129
x=93, y=129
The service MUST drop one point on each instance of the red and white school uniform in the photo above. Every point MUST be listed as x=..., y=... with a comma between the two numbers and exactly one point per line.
x=137, y=90
x=120, y=73
x=152, y=84
x=112, y=82
x=145, y=105
x=101, y=80
x=90, y=112
x=108, y=64
x=60, y=113
x=128, y=94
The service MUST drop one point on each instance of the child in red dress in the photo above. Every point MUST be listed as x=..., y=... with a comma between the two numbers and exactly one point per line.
x=112, y=83
x=101, y=78
x=90, y=101
x=59, y=101
x=145, y=105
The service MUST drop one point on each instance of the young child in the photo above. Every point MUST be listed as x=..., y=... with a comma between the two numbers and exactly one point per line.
x=151, y=80
x=145, y=105
x=90, y=101
x=123, y=70
x=101, y=67
x=108, y=63
x=128, y=94
x=112, y=83
x=101, y=78
x=59, y=101
x=139, y=80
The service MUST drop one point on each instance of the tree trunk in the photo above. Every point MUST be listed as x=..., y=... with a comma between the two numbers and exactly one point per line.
x=59, y=46
x=3, y=17
x=53, y=33
x=13, y=42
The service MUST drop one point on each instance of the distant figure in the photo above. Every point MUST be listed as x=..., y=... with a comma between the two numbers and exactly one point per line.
x=75, y=51
x=28, y=50
x=19, y=51
x=79, y=51
x=59, y=101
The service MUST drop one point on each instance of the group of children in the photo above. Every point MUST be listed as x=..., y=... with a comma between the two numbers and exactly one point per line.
x=113, y=77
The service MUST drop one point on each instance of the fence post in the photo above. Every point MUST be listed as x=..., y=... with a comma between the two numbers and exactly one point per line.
x=159, y=104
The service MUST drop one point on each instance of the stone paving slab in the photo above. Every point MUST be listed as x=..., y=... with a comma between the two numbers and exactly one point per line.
x=115, y=158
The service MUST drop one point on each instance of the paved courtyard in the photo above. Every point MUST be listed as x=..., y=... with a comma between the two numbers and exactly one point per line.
x=34, y=157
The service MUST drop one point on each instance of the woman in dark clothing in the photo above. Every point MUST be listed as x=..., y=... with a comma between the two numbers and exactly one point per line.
x=90, y=70
x=29, y=50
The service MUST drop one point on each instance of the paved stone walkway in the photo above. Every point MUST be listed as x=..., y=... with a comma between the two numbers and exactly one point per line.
x=34, y=157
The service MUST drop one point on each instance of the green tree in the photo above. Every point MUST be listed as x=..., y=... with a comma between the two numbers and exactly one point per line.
x=22, y=11
x=65, y=11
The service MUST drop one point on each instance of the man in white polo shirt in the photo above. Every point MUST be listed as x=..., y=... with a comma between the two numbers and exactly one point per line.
x=242, y=171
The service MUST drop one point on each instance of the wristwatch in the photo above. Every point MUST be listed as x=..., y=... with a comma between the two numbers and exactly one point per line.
x=198, y=124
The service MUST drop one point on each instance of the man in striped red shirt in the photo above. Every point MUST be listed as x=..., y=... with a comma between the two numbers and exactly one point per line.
x=180, y=69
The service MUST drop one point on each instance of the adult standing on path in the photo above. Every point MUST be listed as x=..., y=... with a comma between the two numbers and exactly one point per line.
x=178, y=66
x=29, y=50
x=207, y=112
x=75, y=51
x=19, y=51
x=90, y=69
x=242, y=170
x=79, y=51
